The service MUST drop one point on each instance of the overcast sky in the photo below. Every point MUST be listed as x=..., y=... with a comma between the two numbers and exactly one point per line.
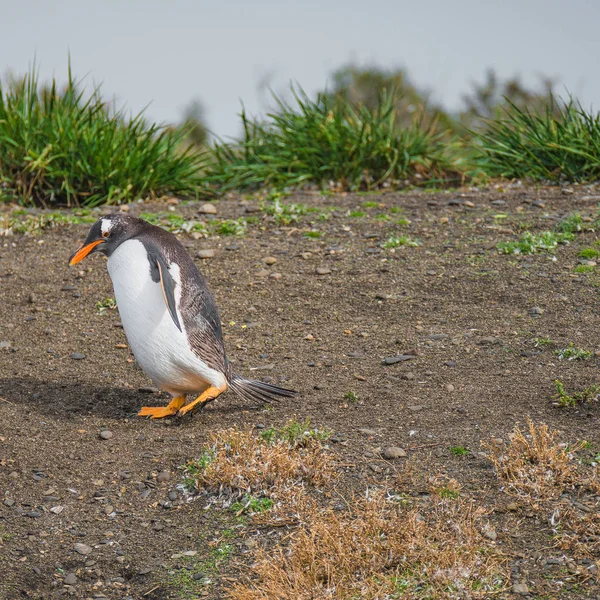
x=167, y=52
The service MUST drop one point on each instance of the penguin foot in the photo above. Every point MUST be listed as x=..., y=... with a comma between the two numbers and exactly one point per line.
x=202, y=400
x=160, y=412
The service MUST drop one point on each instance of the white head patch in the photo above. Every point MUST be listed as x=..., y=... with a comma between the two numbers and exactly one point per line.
x=106, y=225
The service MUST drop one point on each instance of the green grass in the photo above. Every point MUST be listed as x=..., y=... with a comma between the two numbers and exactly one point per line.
x=561, y=142
x=542, y=342
x=251, y=505
x=284, y=214
x=351, y=397
x=573, y=353
x=532, y=243
x=295, y=433
x=448, y=493
x=313, y=234
x=589, y=253
x=68, y=147
x=326, y=141
x=589, y=394
x=357, y=214
x=107, y=304
x=585, y=269
x=23, y=222
x=459, y=451
x=230, y=227
x=395, y=241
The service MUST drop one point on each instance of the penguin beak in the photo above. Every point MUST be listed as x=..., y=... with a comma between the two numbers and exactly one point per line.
x=82, y=252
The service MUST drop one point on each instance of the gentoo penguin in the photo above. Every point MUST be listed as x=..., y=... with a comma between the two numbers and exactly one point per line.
x=168, y=314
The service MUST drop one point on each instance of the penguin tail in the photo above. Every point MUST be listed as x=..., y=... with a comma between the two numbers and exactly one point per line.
x=252, y=390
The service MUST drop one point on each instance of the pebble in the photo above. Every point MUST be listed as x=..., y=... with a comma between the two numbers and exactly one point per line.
x=449, y=387
x=366, y=431
x=276, y=276
x=205, y=253
x=270, y=260
x=82, y=549
x=536, y=311
x=392, y=360
x=208, y=209
x=70, y=579
x=489, y=532
x=322, y=271
x=375, y=468
x=394, y=452
x=498, y=203
x=262, y=273
x=408, y=376
x=520, y=588
x=416, y=407
x=105, y=434
x=77, y=356
x=34, y=514
x=163, y=476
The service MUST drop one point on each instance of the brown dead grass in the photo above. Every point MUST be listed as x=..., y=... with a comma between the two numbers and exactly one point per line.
x=381, y=547
x=547, y=475
x=534, y=465
x=238, y=461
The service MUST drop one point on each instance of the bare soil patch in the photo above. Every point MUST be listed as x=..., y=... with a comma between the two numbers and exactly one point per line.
x=91, y=501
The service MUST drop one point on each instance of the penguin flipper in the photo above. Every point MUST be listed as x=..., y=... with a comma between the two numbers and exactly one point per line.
x=167, y=284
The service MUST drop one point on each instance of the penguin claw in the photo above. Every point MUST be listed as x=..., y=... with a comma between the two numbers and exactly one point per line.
x=156, y=412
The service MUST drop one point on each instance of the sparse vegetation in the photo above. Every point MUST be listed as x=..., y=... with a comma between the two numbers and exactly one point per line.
x=395, y=241
x=459, y=451
x=573, y=353
x=531, y=243
x=107, y=304
x=589, y=394
x=70, y=147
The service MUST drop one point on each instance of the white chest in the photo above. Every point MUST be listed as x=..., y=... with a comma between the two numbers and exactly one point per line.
x=159, y=347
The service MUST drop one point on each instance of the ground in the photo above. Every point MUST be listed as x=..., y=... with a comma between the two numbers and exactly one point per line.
x=478, y=328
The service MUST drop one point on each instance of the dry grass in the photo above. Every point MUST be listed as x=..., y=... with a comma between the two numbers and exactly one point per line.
x=377, y=549
x=239, y=462
x=534, y=464
x=548, y=476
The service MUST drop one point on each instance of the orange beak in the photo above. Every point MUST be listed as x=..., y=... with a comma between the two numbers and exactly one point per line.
x=80, y=254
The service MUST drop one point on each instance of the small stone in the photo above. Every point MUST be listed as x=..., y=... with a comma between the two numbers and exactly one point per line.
x=205, y=253
x=415, y=407
x=105, y=434
x=408, y=376
x=276, y=276
x=322, y=271
x=392, y=360
x=77, y=356
x=498, y=203
x=270, y=260
x=489, y=532
x=163, y=476
x=306, y=255
x=366, y=431
x=394, y=452
x=536, y=311
x=208, y=209
x=57, y=510
x=262, y=273
x=5, y=345
x=375, y=468
x=82, y=549
x=450, y=363
x=520, y=589
x=449, y=387
x=34, y=514
x=70, y=579
x=9, y=502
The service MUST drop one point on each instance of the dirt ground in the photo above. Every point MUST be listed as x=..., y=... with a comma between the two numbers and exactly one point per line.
x=78, y=467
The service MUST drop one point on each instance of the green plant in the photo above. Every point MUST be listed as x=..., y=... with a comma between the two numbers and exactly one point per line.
x=398, y=241
x=294, y=433
x=70, y=147
x=541, y=342
x=573, y=353
x=107, y=304
x=531, y=243
x=351, y=397
x=585, y=269
x=357, y=214
x=251, y=504
x=313, y=234
x=589, y=253
x=448, y=493
x=328, y=141
x=402, y=221
x=459, y=451
x=284, y=214
x=230, y=227
x=559, y=142
x=589, y=394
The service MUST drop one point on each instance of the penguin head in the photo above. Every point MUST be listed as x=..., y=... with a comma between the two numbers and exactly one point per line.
x=106, y=235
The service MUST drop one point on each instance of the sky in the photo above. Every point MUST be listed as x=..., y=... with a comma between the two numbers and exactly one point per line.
x=163, y=54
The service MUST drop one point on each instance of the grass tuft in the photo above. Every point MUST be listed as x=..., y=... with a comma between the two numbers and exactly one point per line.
x=589, y=394
x=560, y=142
x=330, y=142
x=532, y=243
x=68, y=147
x=395, y=241
x=573, y=353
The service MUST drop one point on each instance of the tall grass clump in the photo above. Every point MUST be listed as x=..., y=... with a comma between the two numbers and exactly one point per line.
x=330, y=141
x=559, y=142
x=68, y=147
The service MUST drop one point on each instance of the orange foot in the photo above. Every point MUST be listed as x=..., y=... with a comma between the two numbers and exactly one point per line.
x=159, y=412
x=202, y=400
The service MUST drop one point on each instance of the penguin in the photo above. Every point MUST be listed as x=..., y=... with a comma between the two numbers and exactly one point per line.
x=169, y=315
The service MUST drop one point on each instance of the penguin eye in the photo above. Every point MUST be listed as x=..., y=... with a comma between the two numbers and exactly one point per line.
x=105, y=234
